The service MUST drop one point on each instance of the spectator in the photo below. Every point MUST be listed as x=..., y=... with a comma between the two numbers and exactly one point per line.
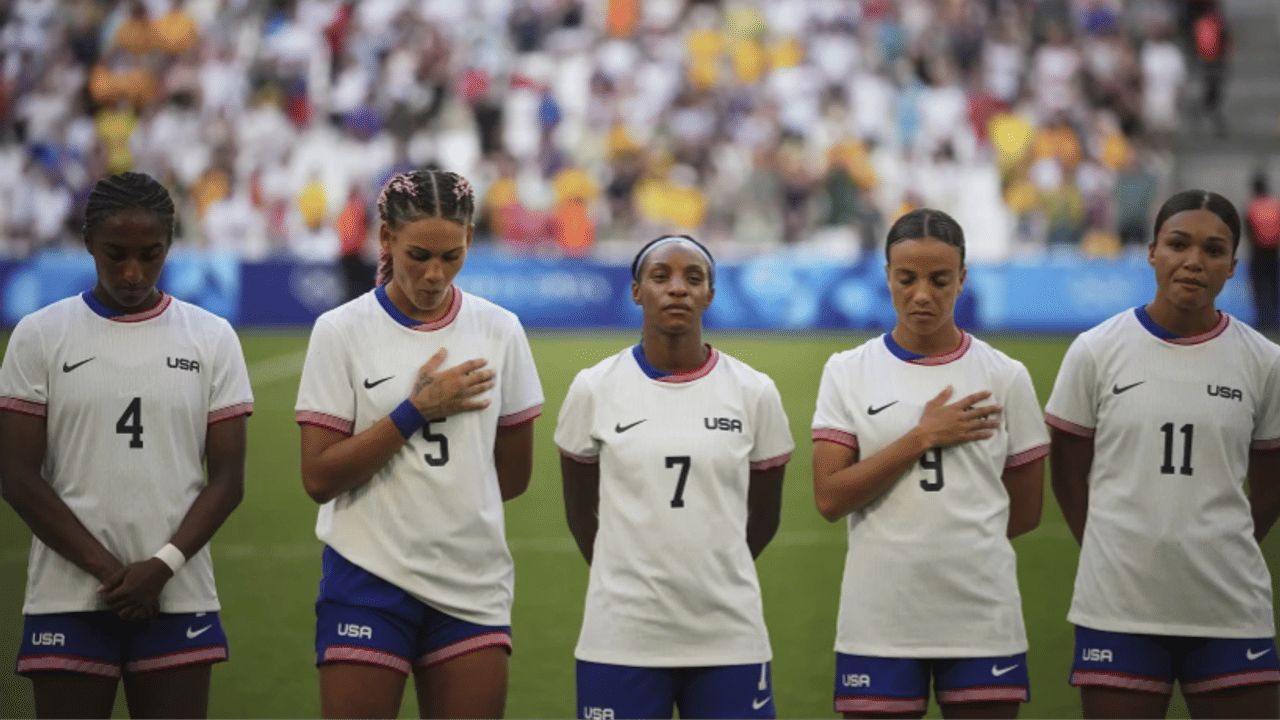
x=1262, y=227
x=1164, y=71
x=1213, y=49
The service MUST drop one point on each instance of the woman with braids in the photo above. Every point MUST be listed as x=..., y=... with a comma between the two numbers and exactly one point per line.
x=672, y=457
x=113, y=404
x=1165, y=459
x=411, y=462
x=931, y=443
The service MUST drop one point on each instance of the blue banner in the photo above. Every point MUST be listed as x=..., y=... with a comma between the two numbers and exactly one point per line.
x=783, y=291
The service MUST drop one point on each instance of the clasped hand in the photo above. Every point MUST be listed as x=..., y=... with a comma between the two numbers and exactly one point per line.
x=133, y=591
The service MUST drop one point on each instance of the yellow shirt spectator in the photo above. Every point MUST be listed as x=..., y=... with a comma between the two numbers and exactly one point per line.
x=575, y=184
x=176, y=32
x=1011, y=136
x=115, y=125
x=705, y=48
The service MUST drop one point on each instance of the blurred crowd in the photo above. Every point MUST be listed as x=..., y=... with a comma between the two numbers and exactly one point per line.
x=587, y=125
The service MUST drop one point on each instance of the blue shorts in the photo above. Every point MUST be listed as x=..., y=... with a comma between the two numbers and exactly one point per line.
x=1153, y=662
x=361, y=618
x=901, y=685
x=622, y=691
x=100, y=643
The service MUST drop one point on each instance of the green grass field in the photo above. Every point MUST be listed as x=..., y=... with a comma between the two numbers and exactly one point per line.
x=267, y=557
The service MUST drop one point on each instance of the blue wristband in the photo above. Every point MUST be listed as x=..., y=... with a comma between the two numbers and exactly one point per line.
x=407, y=419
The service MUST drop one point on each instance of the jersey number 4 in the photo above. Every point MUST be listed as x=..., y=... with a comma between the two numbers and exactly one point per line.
x=130, y=423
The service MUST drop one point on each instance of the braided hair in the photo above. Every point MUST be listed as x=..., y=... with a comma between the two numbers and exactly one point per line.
x=420, y=194
x=127, y=191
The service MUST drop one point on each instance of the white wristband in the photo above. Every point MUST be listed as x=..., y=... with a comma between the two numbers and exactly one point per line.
x=171, y=556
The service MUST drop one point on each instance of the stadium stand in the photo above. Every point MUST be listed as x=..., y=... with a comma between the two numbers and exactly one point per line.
x=589, y=125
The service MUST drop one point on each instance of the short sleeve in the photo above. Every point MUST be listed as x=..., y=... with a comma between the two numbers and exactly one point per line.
x=24, y=375
x=831, y=420
x=1266, y=429
x=521, y=389
x=231, y=395
x=1072, y=407
x=773, y=442
x=574, y=424
x=325, y=395
x=1028, y=439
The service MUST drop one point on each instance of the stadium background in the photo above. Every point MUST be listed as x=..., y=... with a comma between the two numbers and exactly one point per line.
x=785, y=134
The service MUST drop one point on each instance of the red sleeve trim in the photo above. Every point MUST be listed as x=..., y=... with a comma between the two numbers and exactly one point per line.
x=1271, y=444
x=26, y=407
x=231, y=411
x=584, y=459
x=1067, y=426
x=772, y=462
x=1026, y=456
x=838, y=437
x=319, y=419
x=520, y=418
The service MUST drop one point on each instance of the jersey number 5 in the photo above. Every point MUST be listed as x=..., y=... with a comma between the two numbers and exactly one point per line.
x=440, y=439
x=130, y=423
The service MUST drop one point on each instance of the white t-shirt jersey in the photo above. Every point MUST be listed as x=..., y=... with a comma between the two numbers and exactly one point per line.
x=930, y=572
x=431, y=520
x=127, y=401
x=673, y=583
x=1168, y=547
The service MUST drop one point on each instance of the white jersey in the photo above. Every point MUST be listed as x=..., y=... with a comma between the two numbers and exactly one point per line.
x=1168, y=546
x=673, y=583
x=431, y=520
x=127, y=401
x=930, y=572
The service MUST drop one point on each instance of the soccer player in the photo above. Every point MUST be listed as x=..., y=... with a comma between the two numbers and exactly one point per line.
x=1159, y=417
x=932, y=443
x=114, y=403
x=672, y=456
x=411, y=463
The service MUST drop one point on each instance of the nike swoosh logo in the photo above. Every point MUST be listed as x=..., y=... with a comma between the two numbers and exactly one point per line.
x=620, y=428
x=1117, y=389
x=371, y=385
x=873, y=411
x=998, y=671
x=197, y=633
x=69, y=368
x=757, y=704
x=1255, y=655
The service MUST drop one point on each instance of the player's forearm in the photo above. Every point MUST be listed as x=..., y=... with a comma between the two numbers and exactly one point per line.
x=764, y=507
x=1264, y=491
x=581, y=503
x=850, y=489
x=349, y=462
x=208, y=511
x=513, y=459
x=1070, y=458
x=1025, y=485
x=51, y=520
